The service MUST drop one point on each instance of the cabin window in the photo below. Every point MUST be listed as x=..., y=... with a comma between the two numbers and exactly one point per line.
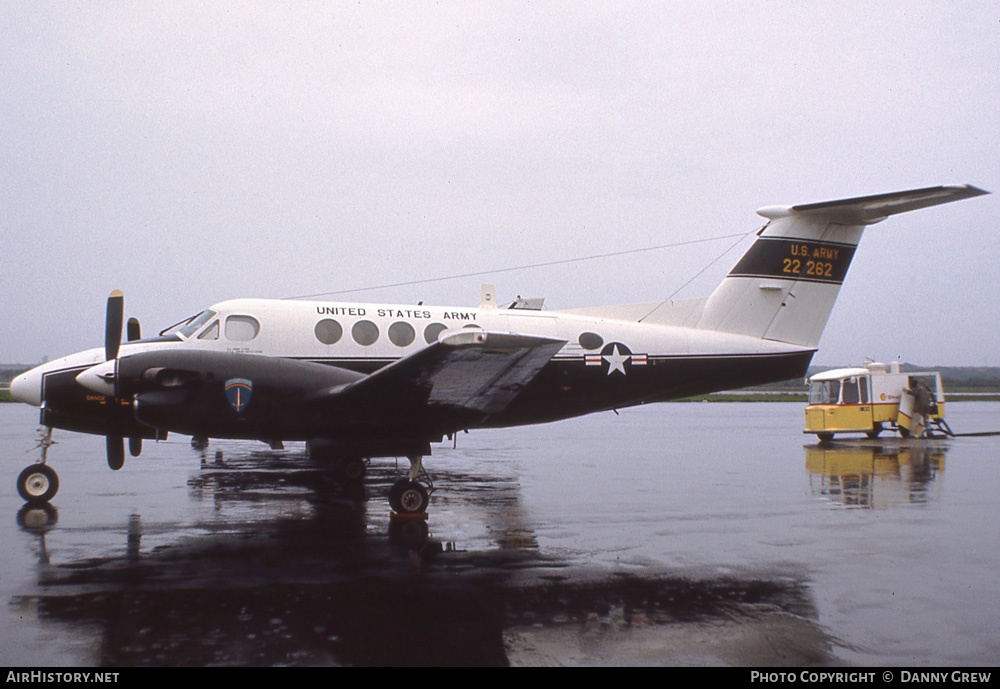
x=401, y=334
x=473, y=326
x=590, y=340
x=365, y=333
x=432, y=331
x=242, y=328
x=328, y=331
x=863, y=385
x=211, y=332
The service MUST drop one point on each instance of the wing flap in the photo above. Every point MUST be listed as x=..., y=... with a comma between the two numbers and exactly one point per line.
x=486, y=371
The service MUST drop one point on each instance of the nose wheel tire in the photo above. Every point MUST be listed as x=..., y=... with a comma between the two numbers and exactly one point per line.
x=408, y=497
x=38, y=483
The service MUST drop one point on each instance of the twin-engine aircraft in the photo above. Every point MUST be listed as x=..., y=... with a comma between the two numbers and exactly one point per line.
x=359, y=381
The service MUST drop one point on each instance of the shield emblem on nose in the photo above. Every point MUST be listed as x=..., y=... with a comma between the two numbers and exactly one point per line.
x=238, y=392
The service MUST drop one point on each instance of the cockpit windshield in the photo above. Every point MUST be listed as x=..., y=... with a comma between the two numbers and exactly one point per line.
x=189, y=326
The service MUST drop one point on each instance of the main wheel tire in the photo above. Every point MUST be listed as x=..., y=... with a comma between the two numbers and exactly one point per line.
x=38, y=483
x=408, y=497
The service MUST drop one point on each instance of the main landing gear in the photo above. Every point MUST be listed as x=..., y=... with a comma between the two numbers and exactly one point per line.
x=39, y=483
x=410, y=496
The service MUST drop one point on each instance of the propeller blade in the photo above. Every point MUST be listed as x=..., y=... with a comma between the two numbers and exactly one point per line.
x=132, y=331
x=116, y=451
x=135, y=446
x=113, y=324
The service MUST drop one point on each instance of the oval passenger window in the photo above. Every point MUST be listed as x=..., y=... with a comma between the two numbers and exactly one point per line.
x=590, y=340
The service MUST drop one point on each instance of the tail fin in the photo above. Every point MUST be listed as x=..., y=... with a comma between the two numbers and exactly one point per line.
x=785, y=286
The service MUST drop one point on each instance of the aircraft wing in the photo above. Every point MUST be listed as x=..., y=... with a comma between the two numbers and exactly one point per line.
x=469, y=370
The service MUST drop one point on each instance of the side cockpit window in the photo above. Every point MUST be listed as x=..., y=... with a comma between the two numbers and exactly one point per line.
x=211, y=332
x=850, y=393
x=242, y=328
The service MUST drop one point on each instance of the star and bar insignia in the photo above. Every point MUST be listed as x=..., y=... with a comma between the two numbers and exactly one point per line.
x=616, y=355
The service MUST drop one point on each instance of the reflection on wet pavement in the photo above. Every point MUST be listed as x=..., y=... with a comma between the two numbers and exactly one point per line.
x=873, y=474
x=705, y=534
x=300, y=569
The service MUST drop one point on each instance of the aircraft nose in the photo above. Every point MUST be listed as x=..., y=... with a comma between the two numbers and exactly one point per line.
x=27, y=388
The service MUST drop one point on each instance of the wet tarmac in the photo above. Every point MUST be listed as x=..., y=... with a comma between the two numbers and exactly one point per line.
x=679, y=534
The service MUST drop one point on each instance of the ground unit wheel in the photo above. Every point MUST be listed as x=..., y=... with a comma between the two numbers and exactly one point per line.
x=824, y=437
x=38, y=483
x=408, y=497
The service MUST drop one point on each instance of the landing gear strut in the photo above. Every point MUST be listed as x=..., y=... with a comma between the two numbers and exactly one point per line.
x=409, y=496
x=39, y=482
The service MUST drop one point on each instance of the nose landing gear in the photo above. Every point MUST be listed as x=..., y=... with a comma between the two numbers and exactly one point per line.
x=39, y=483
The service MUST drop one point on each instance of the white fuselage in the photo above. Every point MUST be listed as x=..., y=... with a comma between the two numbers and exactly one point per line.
x=367, y=336
x=288, y=329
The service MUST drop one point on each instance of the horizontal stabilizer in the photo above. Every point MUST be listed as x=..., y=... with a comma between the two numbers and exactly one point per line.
x=867, y=210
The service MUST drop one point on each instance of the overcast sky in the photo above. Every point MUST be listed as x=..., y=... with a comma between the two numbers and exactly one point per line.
x=188, y=153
